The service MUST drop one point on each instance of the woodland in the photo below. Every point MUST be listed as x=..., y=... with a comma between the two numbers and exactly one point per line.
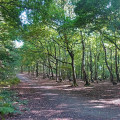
x=75, y=40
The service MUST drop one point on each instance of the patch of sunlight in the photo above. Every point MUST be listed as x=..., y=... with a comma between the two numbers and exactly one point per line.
x=36, y=111
x=37, y=98
x=61, y=86
x=49, y=94
x=109, y=90
x=108, y=101
x=100, y=106
x=62, y=105
x=62, y=119
x=47, y=87
x=68, y=89
x=116, y=102
x=78, y=88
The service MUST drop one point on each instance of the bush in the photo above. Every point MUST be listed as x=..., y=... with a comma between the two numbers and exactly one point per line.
x=9, y=82
x=14, y=81
x=9, y=103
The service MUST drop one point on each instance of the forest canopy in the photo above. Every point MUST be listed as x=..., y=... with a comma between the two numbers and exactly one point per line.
x=63, y=39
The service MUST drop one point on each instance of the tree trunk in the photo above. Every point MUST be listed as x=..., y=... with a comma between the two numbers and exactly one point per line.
x=111, y=59
x=59, y=64
x=33, y=70
x=73, y=70
x=91, y=70
x=85, y=78
x=28, y=69
x=70, y=51
x=81, y=71
x=43, y=70
x=95, y=68
x=21, y=69
x=87, y=63
x=52, y=74
x=56, y=64
x=37, y=69
x=103, y=75
x=116, y=66
x=111, y=75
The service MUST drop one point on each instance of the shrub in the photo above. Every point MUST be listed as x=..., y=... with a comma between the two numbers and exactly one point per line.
x=9, y=103
x=9, y=82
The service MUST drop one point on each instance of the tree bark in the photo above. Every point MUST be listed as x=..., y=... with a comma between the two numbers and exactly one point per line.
x=85, y=78
x=28, y=69
x=116, y=66
x=111, y=75
x=56, y=64
x=37, y=69
x=70, y=51
x=73, y=70
x=91, y=70
x=95, y=77
x=103, y=75
x=111, y=60
x=21, y=69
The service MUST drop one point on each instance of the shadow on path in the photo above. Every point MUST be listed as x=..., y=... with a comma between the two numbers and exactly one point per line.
x=45, y=103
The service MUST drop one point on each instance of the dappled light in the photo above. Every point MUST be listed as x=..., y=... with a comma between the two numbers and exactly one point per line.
x=59, y=59
x=49, y=102
x=108, y=101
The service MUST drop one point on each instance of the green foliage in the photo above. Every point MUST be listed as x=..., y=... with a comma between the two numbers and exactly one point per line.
x=9, y=103
x=51, y=36
x=8, y=52
x=9, y=82
x=96, y=12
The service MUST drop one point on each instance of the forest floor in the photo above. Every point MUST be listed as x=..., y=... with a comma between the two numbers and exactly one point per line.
x=49, y=100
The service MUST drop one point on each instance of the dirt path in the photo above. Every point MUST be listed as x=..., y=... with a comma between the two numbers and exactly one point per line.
x=49, y=101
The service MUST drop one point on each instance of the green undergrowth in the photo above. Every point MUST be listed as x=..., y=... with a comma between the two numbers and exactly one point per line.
x=9, y=101
x=9, y=82
x=10, y=104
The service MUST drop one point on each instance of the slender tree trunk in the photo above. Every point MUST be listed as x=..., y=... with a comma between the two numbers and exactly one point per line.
x=116, y=66
x=87, y=62
x=37, y=69
x=103, y=75
x=56, y=64
x=95, y=68
x=59, y=64
x=73, y=70
x=43, y=70
x=51, y=69
x=21, y=69
x=91, y=70
x=70, y=51
x=111, y=75
x=111, y=60
x=52, y=74
x=118, y=59
x=28, y=69
x=85, y=78
x=33, y=70
x=81, y=71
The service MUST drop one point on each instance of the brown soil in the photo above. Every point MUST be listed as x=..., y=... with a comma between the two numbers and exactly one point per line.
x=50, y=100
